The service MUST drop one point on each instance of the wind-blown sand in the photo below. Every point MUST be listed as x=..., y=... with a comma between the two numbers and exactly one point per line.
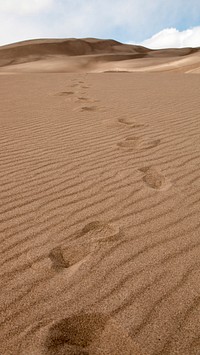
x=100, y=201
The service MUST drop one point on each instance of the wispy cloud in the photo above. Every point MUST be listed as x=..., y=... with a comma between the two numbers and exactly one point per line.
x=127, y=20
x=24, y=7
x=172, y=38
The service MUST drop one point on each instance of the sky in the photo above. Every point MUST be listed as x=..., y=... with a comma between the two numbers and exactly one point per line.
x=152, y=23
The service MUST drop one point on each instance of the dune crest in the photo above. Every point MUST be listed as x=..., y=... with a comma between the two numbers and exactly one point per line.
x=93, y=55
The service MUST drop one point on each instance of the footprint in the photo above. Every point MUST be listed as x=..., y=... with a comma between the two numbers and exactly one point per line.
x=126, y=121
x=68, y=336
x=83, y=98
x=152, y=144
x=99, y=231
x=138, y=143
x=91, y=334
x=65, y=93
x=87, y=241
x=129, y=122
x=88, y=108
x=130, y=142
x=57, y=259
x=63, y=257
x=137, y=125
x=75, y=334
x=154, y=178
x=80, y=334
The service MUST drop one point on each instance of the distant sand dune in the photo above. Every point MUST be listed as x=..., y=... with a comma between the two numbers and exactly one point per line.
x=93, y=55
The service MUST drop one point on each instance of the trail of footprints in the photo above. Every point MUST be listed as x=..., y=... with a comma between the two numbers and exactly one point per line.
x=152, y=176
x=94, y=333
x=82, y=333
x=79, y=99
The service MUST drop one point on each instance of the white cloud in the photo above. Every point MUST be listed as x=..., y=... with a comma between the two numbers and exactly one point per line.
x=172, y=38
x=24, y=7
x=123, y=20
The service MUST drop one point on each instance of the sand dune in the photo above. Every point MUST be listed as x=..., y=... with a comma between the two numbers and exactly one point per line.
x=99, y=213
x=93, y=55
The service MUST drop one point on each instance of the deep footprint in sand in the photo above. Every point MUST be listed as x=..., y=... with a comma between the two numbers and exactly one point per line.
x=75, y=334
x=81, y=334
x=88, y=240
x=88, y=108
x=137, y=125
x=65, y=93
x=67, y=336
x=63, y=257
x=57, y=259
x=154, y=178
x=83, y=98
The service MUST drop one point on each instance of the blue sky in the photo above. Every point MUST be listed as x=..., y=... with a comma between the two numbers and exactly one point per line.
x=154, y=23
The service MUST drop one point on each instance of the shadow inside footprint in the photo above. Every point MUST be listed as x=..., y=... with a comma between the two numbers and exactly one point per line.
x=91, y=226
x=83, y=98
x=88, y=108
x=63, y=257
x=137, y=125
x=126, y=121
x=57, y=259
x=65, y=93
x=74, y=335
x=80, y=334
x=87, y=241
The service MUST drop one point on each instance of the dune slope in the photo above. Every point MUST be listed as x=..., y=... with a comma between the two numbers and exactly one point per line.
x=93, y=55
x=99, y=214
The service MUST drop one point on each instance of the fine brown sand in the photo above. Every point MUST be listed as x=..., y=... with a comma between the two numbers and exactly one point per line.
x=99, y=214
